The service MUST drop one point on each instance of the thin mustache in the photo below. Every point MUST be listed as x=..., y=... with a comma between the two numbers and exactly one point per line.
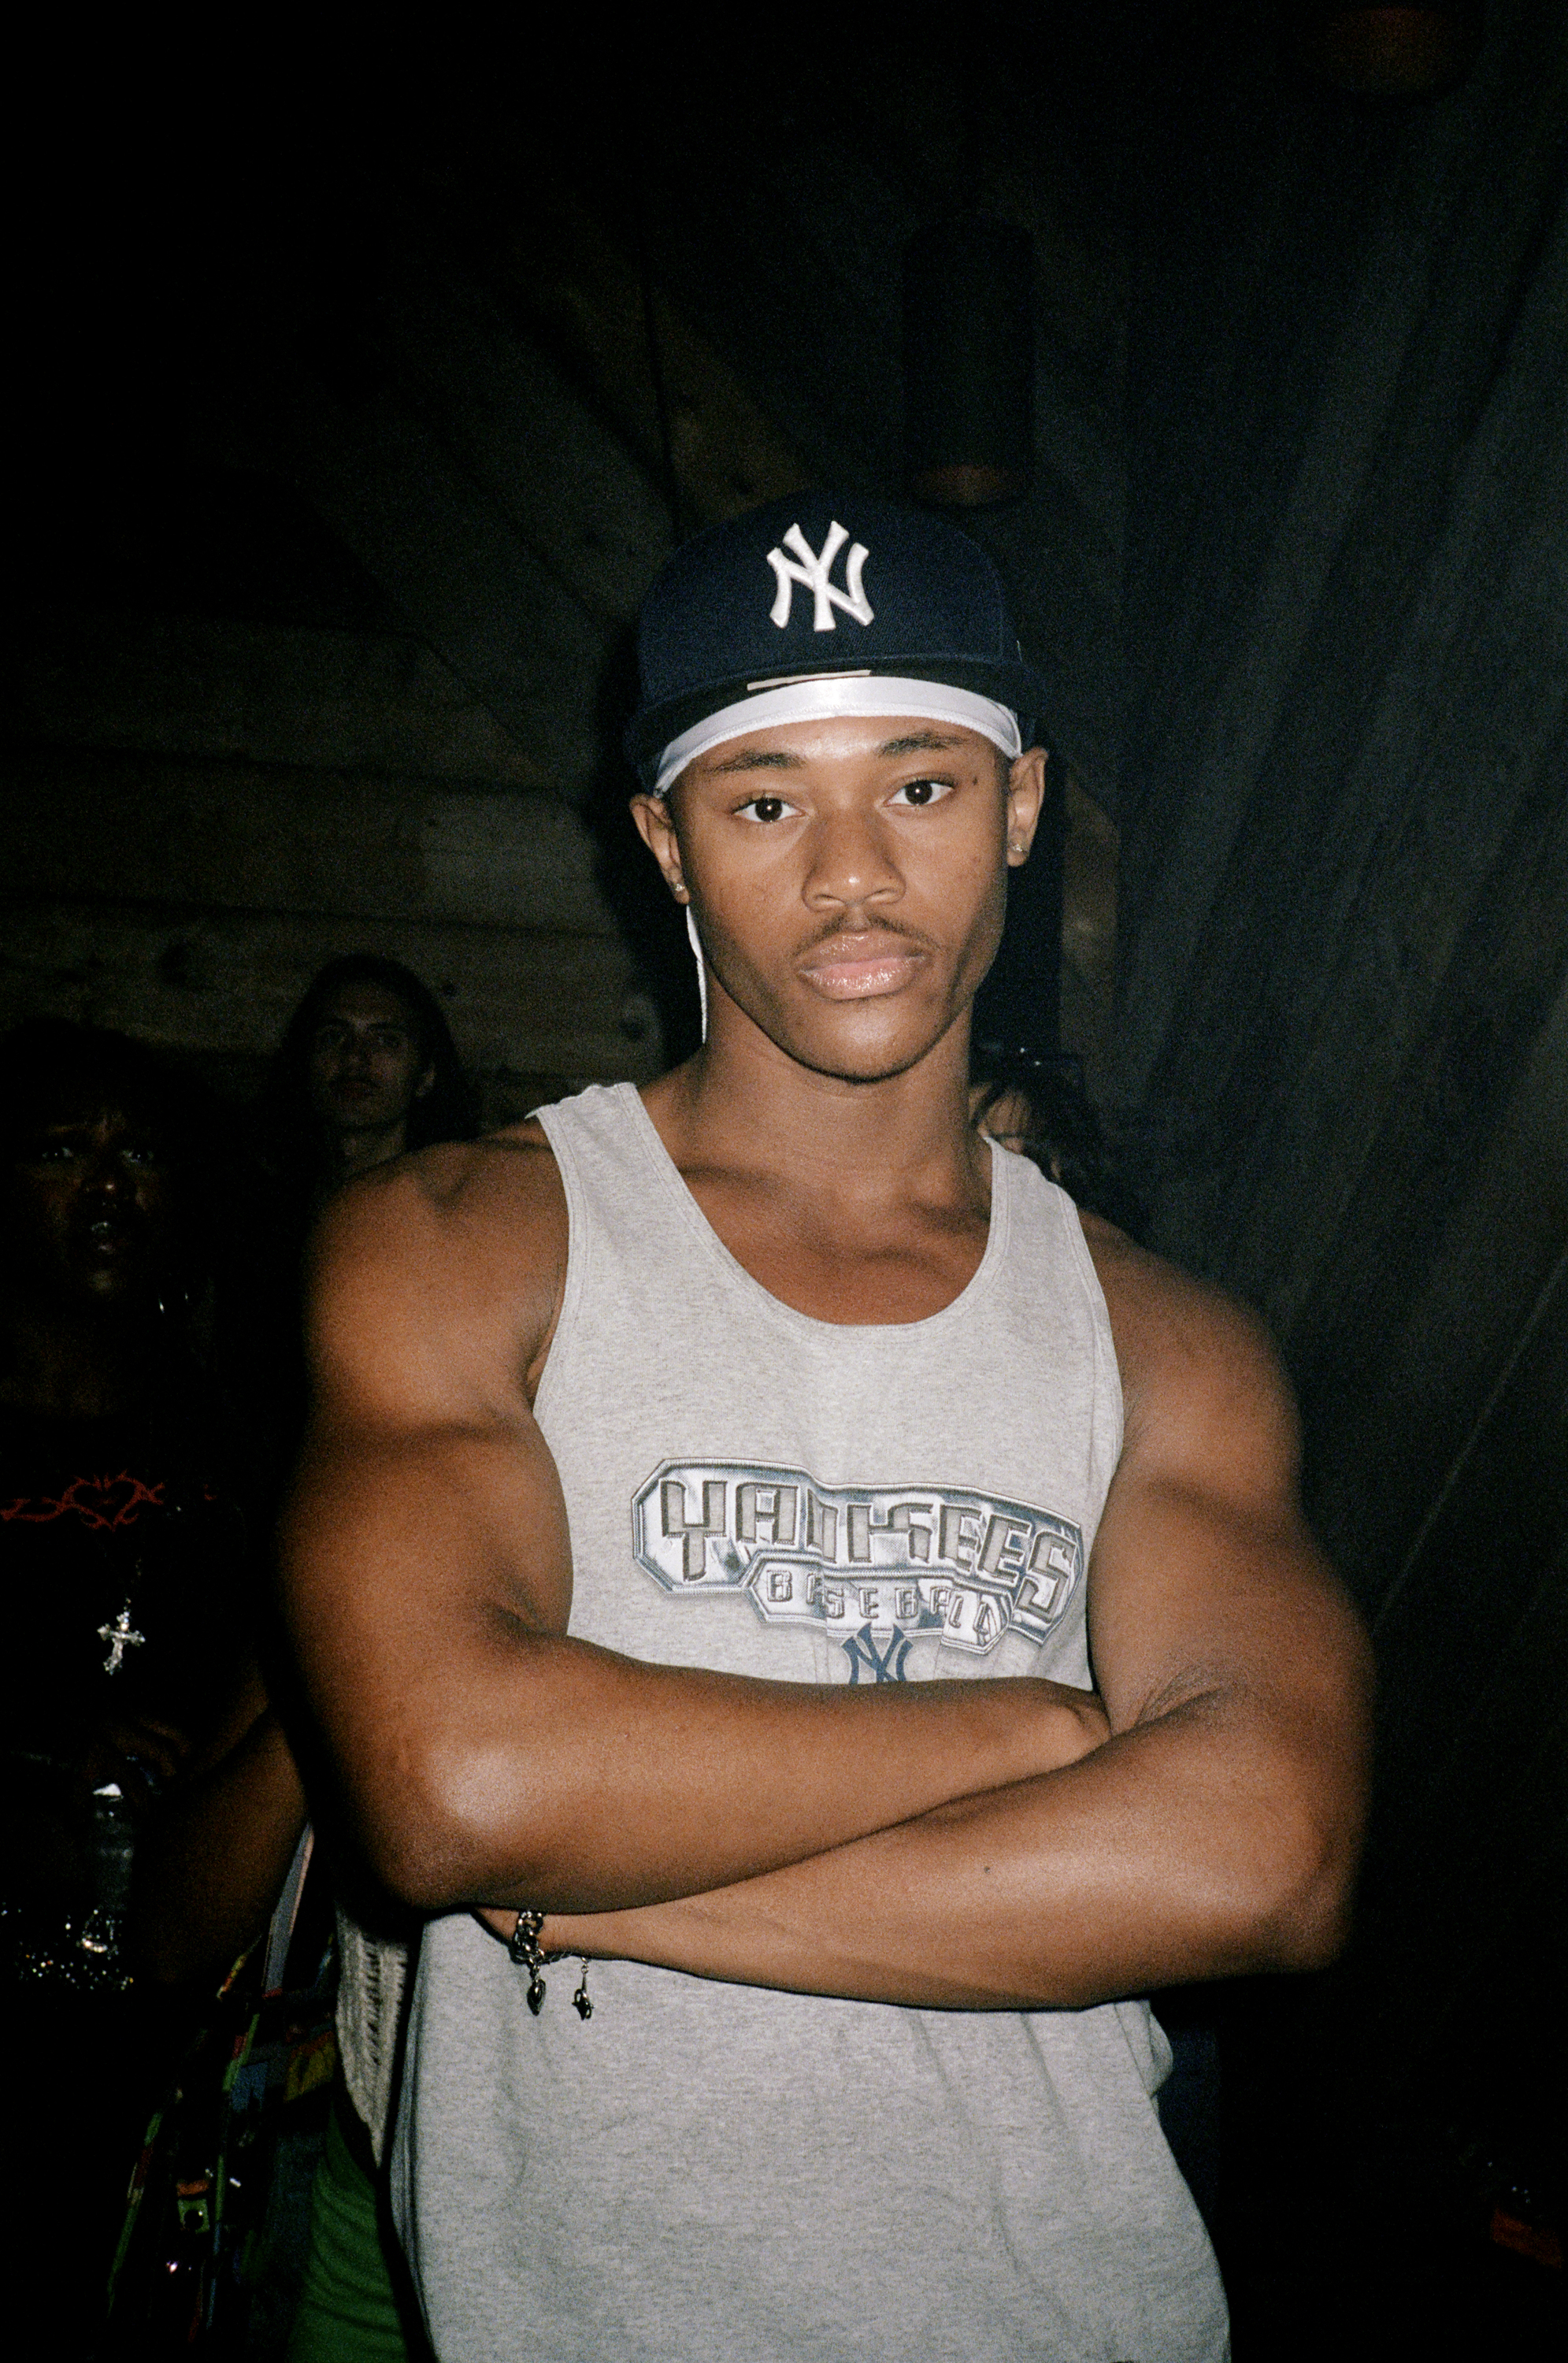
x=838, y=929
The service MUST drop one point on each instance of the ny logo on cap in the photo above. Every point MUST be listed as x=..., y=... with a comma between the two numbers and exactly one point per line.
x=812, y=572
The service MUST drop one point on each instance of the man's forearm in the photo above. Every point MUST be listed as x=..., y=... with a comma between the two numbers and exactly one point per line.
x=1196, y=1845
x=487, y=1758
x=651, y=1782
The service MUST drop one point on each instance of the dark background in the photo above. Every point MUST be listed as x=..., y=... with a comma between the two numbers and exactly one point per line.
x=357, y=393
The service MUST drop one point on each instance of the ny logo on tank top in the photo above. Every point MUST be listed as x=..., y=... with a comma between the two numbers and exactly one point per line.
x=873, y=1565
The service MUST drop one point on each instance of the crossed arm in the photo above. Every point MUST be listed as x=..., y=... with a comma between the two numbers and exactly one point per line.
x=482, y=1756
x=1214, y=1831
x=975, y=1844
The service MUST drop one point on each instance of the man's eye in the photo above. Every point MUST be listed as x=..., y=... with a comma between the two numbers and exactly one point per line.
x=55, y=1152
x=766, y=808
x=921, y=792
x=136, y=1153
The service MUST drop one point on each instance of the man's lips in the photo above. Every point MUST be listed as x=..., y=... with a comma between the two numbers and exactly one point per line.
x=106, y=1238
x=857, y=968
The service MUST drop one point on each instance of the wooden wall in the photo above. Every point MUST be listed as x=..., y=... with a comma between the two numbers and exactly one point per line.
x=324, y=640
x=202, y=812
x=1342, y=1056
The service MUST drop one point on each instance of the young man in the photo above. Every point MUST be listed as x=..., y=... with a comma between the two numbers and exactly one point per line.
x=366, y=1070
x=683, y=1459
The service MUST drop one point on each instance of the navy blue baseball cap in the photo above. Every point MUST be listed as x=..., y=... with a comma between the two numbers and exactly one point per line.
x=821, y=584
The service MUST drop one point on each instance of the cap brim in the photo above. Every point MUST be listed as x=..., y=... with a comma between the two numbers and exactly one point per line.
x=1019, y=686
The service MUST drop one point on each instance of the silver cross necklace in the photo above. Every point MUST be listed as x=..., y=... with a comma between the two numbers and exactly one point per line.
x=122, y=1634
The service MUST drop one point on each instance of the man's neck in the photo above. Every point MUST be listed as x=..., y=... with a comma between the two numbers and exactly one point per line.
x=851, y=1202
x=357, y=1151
x=744, y=1106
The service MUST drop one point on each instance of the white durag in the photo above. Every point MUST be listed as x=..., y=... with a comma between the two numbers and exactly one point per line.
x=824, y=698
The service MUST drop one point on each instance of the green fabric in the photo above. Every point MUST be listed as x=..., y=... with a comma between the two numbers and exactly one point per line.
x=356, y=2306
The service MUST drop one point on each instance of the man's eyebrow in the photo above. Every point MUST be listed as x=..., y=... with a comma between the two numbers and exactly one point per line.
x=918, y=742
x=762, y=758
x=776, y=759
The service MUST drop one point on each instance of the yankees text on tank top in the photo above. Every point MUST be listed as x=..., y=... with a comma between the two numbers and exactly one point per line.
x=709, y=2173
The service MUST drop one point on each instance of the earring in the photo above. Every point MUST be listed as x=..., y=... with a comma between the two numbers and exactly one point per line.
x=696, y=943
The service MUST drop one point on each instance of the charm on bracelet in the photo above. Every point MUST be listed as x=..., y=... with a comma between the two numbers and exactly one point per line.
x=524, y=1949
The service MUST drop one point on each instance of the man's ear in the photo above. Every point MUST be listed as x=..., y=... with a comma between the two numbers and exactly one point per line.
x=1025, y=795
x=426, y=1084
x=656, y=829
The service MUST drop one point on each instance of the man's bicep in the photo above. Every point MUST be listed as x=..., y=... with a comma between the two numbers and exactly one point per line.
x=1205, y=1580
x=399, y=1330
x=1191, y=1599
x=426, y=1501
x=441, y=1528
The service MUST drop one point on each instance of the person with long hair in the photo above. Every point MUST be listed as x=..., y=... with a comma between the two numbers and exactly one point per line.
x=1035, y=1101
x=366, y=1071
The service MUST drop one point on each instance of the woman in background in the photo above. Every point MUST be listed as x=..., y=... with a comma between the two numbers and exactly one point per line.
x=366, y=1069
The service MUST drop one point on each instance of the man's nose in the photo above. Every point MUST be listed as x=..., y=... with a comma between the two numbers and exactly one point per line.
x=106, y=1176
x=852, y=861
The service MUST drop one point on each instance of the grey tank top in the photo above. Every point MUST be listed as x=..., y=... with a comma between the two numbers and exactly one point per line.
x=708, y=2173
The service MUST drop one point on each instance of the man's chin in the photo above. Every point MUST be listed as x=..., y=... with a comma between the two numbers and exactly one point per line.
x=115, y=1288
x=347, y=1124
x=865, y=1055
x=861, y=1041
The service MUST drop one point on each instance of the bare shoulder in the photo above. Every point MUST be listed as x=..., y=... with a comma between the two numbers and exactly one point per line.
x=451, y=1259
x=1201, y=1381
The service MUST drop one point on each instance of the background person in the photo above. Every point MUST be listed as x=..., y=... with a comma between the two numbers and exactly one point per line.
x=209, y=1877
x=130, y=1589
x=366, y=1069
x=369, y=1054
x=1035, y=1102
